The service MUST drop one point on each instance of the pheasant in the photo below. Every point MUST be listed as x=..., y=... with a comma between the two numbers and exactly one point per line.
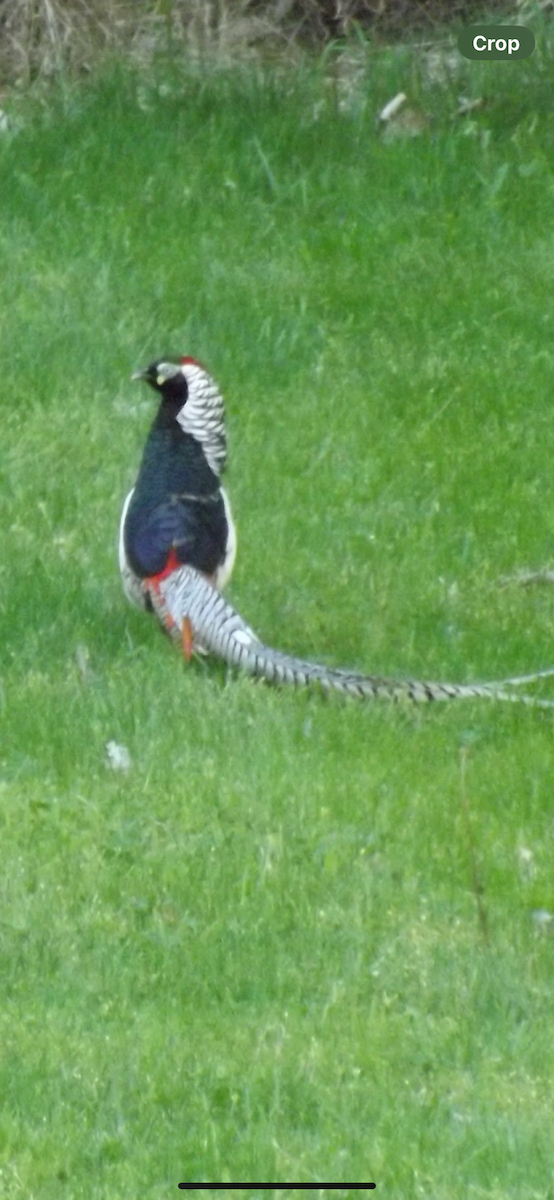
x=178, y=513
x=177, y=546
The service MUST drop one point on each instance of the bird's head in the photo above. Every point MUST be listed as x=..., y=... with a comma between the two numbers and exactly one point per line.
x=168, y=376
x=194, y=401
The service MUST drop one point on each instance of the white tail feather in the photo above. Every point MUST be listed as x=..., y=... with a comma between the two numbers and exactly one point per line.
x=221, y=631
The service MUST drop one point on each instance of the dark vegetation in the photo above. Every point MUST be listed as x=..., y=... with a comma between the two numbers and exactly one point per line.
x=39, y=38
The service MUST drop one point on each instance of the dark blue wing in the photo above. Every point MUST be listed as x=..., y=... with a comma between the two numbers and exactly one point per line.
x=195, y=529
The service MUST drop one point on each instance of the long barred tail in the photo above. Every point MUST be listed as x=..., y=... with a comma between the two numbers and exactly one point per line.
x=185, y=595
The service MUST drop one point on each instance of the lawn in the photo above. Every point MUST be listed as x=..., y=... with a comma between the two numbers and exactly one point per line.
x=300, y=940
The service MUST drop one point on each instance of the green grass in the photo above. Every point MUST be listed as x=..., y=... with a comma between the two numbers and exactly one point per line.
x=257, y=957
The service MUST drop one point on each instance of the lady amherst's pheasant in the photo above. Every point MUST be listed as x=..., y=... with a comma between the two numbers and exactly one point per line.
x=177, y=547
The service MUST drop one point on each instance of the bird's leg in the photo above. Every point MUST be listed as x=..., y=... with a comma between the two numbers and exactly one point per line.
x=187, y=638
x=182, y=629
x=151, y=587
